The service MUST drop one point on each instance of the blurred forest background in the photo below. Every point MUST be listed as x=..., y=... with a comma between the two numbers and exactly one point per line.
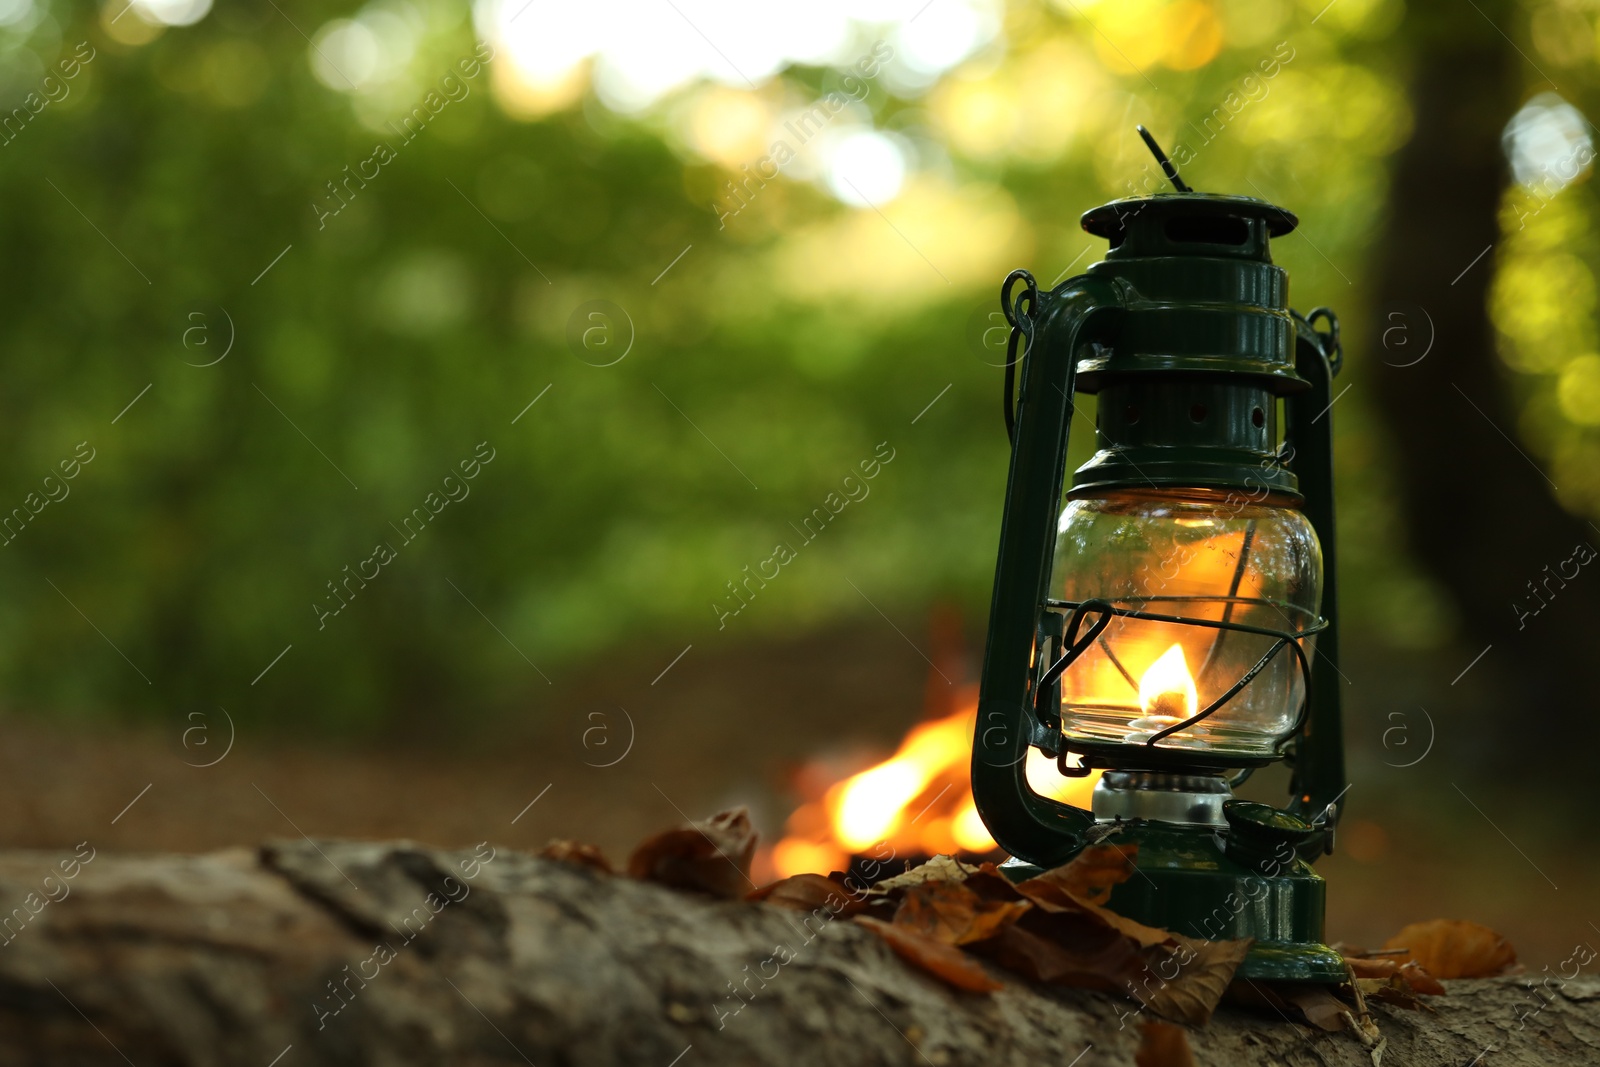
x=288, y=272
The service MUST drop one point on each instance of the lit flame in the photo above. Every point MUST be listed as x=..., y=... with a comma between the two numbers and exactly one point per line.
x=915, y=804
x=1167, y=689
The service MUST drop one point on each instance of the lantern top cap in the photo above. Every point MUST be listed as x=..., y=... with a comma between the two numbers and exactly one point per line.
x=1112, y=220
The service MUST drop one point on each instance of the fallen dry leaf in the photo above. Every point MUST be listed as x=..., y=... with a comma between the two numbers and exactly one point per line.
x=1181, y=979
x=1312, y=1004
x=1391, y=990
x=1088, y=877
x=938, y=869
x=1420, y=980
x=1106, y=962
x=1352, y=952
x=1051, y=890
x=578, y=852
x=1177, y=977
x=1145, y=935
x=711, y=856
x=945, y=962
x=1364, y=967
x=1316, y=1004
x=1163, y=1045
x=1079, y=945
x=1383, y=969
x=1043, y=929
x=953, y=914
x=987, y=881
x=1453, y=948
x=1197, y=988
x=1319, y=1007
x=808, y=892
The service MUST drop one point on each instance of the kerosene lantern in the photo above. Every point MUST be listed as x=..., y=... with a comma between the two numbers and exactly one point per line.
x=1169, y=619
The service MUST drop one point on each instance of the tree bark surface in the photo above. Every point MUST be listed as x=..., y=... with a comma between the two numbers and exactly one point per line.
x=227, y=959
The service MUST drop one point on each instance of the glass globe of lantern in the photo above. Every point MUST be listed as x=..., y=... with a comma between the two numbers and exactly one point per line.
x=1196, y=554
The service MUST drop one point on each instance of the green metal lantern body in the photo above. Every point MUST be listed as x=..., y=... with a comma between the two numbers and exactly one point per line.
x=1162, y=624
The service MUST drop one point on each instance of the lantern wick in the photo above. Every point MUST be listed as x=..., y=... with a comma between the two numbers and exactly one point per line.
x=1166, y=164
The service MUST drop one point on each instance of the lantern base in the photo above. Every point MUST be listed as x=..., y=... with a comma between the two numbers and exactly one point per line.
x=1185, y=881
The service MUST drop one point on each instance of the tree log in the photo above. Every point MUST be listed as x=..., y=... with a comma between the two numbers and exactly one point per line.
x=331, y=953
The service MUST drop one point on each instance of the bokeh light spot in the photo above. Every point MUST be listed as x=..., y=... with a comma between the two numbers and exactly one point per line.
x=1548, y=144
x=1579, y=390
x=172, y=12
x=866, y=169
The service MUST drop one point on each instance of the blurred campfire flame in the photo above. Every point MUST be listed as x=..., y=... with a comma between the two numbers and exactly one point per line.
x=918, y=802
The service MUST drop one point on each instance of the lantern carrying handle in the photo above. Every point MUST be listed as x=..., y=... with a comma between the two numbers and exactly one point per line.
x=1055, y=324
x=1318, y=779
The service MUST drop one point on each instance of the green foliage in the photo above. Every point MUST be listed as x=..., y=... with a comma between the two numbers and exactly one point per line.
x=392, y=338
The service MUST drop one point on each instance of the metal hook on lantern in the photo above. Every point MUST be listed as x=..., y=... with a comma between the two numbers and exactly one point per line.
x=1021, y=320
x=1332, y=349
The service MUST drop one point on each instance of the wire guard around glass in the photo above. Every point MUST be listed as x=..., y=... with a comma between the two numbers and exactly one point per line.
x=1101, y=612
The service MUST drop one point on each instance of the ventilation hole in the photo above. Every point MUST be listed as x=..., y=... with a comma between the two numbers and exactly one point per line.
x=1198, y=413
x=1258, y=417
x=1223, y=230
x=1130, y=414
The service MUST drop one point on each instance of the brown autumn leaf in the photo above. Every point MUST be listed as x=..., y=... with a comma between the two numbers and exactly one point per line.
x=1453, y=948
x=1044, y=930
x=1420, y=980
x=938, y=869
x=1088, y=877
x=1148, y=936
x=1069, y=941
x=808, y=892
x=1364, y=967
x=1312, y=1004
x=1315, y=1004
x=1202, y=972
x=711, y=856
x=1077, y=944
x=1052, y=902
x=580, y=853
x=987, y=881
x=1163, y=1045
x=1182, y=979
x=1382, y=969
x=945, y=962
x=1356, y=952
x=1104, y=960
x=951, y=913
x=1050, y=894
x=1391, y=990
